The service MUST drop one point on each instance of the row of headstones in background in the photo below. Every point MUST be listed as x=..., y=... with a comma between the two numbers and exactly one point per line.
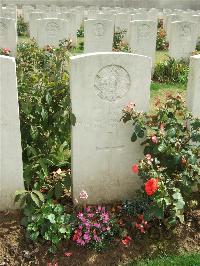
x=102, y=153
x=99, y=36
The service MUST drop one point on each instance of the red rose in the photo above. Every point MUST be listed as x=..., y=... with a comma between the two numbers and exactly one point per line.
x=135, y=168
x=151, y=186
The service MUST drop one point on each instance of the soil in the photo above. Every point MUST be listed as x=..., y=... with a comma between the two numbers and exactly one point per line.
x=15, y=249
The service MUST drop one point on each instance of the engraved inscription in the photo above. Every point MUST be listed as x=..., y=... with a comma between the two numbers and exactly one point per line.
x=3, y=29
x=112, y=83
x=144, y=31
x=99, y=29
x=52, y=28
x=185, y=32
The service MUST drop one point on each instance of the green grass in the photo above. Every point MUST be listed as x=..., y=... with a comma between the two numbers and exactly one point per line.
x=182, y=260
x=159, y=90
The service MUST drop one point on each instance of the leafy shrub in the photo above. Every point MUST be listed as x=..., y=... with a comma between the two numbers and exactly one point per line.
x=171, y=166
x=29, y=201
x=80, y=32
x=45, y=112
x=171, y=71
x=22, y=27
x=119, y=45
x=96, y=228
x=57, y=185
x=51, y=223
x=137, y=206
x=161, y=42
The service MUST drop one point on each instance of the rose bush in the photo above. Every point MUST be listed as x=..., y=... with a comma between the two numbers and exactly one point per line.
x=171, y=165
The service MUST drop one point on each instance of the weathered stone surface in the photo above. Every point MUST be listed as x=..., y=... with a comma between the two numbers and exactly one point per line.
x=8, y=34
x=51, y=31
x=98, y=35
x=183, y=37
x=102, y=152
x=142, y=37
x=193, y=88
x=11, y=170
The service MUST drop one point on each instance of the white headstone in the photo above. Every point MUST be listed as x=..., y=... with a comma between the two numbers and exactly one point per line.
x=102, y=152
x=183, y=38
x=142, y=37
x=98, y=35
x=8, y=34
x=193, y=88
x=11, y=170
x=122, y=21
x=33, y=16
x=51, y=31
x=71, y=26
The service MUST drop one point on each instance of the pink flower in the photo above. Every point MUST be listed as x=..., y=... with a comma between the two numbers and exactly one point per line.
x=83, y=195
x=135, y=168
x=148, y=157
x=68, y=254
x=129, y=108
x=6, y=51
x=154, y=139
x=97, y=225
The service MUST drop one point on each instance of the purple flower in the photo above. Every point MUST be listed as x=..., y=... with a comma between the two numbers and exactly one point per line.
x=96, y=238
x=86, y=237
x=97, y=225
x=90, y=215
x=105, y=217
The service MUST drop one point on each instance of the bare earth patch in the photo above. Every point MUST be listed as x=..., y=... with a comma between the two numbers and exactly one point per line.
x=16, y=250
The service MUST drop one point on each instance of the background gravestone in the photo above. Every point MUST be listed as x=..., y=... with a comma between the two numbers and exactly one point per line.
x=102, y=151
x=193, y=89
x=98, y=35
x=11, y=171
x=183, y=38
x=142, y=37
x=50, y=31
x=8, y=34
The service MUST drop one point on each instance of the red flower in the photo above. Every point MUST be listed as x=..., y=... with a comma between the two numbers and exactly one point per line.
x=75, y=236
x=126, y=240
x=151, y=186
x=135, y=168
x=154, y=139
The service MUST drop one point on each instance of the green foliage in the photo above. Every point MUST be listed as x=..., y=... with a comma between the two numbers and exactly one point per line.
x=119, y=45
x=22, y=27
x=57, y=185
x=137, y=206
x=80, y=32
x=29, y=201
x=171, y=149
x=51, y=223
x=171, y=71
x=161, y=42
x=45, y=112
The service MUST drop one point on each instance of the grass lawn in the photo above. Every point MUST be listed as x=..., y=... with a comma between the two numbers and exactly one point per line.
x=182, y=260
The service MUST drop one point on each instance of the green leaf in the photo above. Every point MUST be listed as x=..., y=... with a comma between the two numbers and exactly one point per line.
x=162, y=147
x=134, y=137
x=62, y=230
x=58, y=190
x=51, y=217
x=35, y=199
x=39, y=194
